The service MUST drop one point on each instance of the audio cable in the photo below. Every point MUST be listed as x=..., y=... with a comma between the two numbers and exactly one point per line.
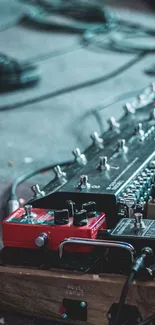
x=121, y=38
x=79, y=86
x=13, y=202
x=142, y=261
x=73, y=17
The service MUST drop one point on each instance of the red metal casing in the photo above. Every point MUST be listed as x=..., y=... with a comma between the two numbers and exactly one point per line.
x=17, y=233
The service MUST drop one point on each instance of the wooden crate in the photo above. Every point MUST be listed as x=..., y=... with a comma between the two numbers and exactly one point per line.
x=40, y=293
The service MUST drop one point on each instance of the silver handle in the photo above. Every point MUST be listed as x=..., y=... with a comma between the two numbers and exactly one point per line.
x=97, y=242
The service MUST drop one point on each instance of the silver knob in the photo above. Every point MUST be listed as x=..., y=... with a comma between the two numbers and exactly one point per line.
x=98, y=142
x=121, y=147
x=41, y=240
x=36, y=190
x=139, y=130
x=138, y=221
x=59, y=173
x=129, y=109
x=103, y=164
x=80, y=157
x=84, y=182
x=113, y=123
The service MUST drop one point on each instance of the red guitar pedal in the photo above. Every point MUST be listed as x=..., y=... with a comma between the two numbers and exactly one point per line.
x=32, y=228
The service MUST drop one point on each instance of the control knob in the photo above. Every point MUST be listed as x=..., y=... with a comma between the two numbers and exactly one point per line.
x=61, y=217
x=71, y=207
x=80, y=218
x=90, y=207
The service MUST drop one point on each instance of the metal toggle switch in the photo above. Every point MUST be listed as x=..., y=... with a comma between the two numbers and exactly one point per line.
x=37, y=192
x=113, y=123
x=121, y=147
x=80, y=157
x=84, y=182
x=59, y=173
x=103, y=165
x=98, y=142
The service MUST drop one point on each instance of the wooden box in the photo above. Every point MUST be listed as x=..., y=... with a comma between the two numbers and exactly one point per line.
x=40, y=293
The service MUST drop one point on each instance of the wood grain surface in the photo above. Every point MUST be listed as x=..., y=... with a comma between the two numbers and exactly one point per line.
x=40, y=293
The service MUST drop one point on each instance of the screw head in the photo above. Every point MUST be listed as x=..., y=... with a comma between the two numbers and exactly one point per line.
x=83, y=304
x=64, y=316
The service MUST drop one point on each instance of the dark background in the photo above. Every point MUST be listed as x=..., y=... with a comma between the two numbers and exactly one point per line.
x=48, y=130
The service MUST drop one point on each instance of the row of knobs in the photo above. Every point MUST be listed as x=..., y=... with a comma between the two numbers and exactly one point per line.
x=61, y=217
x=130, y=108
x=42, y=239
x=145, y=98
x=81, y=159
x=120, y=148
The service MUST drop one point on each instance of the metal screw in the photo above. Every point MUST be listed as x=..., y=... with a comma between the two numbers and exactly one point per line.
x=64, y=316
x=83, y=304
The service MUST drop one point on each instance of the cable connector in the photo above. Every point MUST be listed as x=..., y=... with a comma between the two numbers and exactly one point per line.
x=143, y=260
x=13, y=204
